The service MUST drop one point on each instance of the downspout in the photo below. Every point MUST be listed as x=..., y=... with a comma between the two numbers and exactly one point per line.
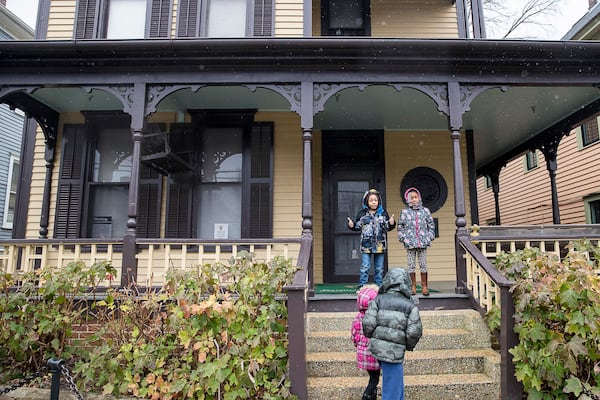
x=129, y=268
x=455, y=125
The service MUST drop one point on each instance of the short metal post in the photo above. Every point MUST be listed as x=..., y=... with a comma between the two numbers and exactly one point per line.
x=55, y=368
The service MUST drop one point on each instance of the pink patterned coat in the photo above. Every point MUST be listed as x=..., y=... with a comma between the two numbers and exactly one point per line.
x=364, y=359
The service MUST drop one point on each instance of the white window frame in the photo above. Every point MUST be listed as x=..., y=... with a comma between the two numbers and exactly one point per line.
x=14, y=160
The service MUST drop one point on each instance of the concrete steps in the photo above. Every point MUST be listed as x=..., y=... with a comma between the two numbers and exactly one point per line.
x=453, y=360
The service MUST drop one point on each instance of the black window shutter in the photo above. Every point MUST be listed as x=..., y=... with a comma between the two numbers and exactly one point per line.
x=148, y=218
x=261, y=181
x=263, y=18
x=70, y=183
x=179, y=209
x=188, y=18
x=86, y=19
x=160, y=18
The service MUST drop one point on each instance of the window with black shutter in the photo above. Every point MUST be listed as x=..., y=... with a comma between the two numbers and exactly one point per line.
x=93, y=187
x=219, y=18
x=229, y=195
x=122, y=19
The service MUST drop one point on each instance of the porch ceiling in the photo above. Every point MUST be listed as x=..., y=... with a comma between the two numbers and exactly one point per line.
x=542, y=82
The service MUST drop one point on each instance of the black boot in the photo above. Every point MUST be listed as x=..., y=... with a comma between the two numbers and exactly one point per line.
x=370, y=395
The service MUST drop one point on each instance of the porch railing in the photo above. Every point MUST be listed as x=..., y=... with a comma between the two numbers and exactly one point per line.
x=489, y=288
x=26, y=255
x=154, y=256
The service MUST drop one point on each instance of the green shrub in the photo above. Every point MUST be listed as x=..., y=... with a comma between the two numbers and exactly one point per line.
x=557, y=319
x=218, y=332
x=38, y=310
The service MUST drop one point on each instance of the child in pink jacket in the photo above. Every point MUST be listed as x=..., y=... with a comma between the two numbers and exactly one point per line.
x=364, y=359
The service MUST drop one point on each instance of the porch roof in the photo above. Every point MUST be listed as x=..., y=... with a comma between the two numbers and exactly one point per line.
x=536, y=86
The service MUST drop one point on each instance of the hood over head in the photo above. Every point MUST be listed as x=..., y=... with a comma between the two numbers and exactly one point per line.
x=366, y=197
x=396, y=280
x=364, y=297
x=407, y=200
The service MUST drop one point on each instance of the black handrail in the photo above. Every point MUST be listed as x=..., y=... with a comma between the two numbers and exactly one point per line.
x=510, y=388
x=297, y=297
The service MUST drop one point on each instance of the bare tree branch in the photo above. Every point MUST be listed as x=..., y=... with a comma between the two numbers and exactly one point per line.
x=499, y=18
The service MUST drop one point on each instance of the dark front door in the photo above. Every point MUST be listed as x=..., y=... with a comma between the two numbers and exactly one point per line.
x=353, y=163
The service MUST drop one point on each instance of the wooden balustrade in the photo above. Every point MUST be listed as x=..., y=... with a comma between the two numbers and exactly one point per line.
x=154, y=257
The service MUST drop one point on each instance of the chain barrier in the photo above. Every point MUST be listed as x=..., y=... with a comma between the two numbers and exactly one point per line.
x=24, y=381
x=591, y=395
x=70, y=382
x=54, y=367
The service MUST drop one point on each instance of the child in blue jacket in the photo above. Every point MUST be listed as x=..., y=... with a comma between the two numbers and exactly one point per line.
x=373, y=222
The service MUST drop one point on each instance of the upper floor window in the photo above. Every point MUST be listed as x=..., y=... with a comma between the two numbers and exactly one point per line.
x=589, y=132
x=225, y=18
x=126, y=19
x=122, y=19
x=11, y=192
x=531, y=160
x=346, y=18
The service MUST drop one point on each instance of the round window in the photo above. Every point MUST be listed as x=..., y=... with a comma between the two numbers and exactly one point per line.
x=430, y=183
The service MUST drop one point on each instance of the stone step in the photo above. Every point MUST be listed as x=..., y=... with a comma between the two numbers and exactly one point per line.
x=417, y=387
x=426, y=362
x=432, y=339
x=453, y=360
x=450, y=319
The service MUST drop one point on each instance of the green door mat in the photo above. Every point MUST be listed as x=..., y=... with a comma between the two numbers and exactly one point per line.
x=335, y=288
x=346, y=288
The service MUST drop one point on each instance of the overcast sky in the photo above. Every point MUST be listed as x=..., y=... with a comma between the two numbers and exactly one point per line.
x=569, y=12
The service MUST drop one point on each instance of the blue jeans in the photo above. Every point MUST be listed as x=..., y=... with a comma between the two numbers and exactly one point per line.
x=365, y=267
x=392, y=385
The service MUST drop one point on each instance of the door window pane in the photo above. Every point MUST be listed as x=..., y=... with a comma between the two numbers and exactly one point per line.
x=126, y=19
x=347, y=243
x=226, y=18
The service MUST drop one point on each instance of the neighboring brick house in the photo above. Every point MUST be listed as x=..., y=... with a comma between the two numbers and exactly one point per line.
x=11, y=131
x=525, y=189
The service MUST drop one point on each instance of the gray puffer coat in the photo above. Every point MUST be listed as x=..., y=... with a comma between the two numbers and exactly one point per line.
x=392, y=321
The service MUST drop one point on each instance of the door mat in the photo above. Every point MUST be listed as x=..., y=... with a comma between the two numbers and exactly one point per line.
x=347, y=288
x=335, y=288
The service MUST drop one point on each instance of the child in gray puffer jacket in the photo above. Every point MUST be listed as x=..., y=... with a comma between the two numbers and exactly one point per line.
x=393, y=325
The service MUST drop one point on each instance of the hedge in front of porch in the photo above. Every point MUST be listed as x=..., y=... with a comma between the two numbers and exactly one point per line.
x=218, y=331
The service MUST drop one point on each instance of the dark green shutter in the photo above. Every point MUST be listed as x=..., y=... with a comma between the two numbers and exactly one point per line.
x=160, y=19
x=188, y=15
x=70, y=183
x=261, y=181
x=263, y=18
x=86, y=23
